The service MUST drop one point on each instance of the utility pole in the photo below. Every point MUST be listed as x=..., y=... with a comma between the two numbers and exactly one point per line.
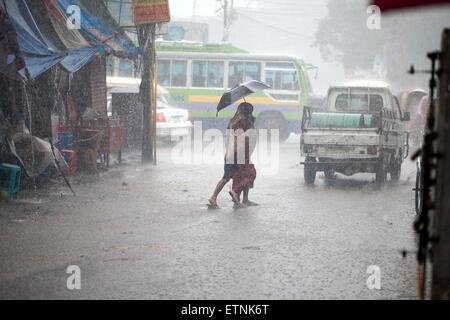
x=225, y=21
x=146, y=14
x=227, y=17
x=148, y=92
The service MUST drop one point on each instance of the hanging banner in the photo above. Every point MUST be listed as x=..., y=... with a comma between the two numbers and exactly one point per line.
x=151, y=11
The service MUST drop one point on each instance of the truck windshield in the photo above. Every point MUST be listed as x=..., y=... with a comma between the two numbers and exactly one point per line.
x=359, y=102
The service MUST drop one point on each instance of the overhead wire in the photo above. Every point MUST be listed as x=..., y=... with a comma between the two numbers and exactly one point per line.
x=277, y=28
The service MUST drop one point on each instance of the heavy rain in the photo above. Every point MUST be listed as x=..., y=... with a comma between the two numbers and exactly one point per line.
x=224, y=150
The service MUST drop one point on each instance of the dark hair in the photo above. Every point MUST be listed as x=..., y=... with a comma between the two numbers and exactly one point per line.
x=244, y=112
x=246, y=108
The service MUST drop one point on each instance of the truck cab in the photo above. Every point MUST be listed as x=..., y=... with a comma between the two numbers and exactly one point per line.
x=361, y=129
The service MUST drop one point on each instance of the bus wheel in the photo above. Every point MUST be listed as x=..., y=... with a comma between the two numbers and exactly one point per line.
x=273, y=121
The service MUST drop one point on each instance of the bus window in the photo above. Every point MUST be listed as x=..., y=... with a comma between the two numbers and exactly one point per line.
x=289, y=81
x=125, y=68
x=239, y=72
x=215, y=74
x=282, y=76
x=235, y=73
x=164, y=73
x=252, y=71
x=179, y=73
x=199, y=74
x=270, y=78
x=296, y=81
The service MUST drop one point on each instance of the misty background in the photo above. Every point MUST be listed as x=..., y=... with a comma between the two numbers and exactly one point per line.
x=331, y=34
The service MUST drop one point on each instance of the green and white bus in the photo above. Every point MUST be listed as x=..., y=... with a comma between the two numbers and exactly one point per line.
x=196, y=75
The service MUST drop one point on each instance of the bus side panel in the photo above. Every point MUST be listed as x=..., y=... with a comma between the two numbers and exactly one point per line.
x=202, y=104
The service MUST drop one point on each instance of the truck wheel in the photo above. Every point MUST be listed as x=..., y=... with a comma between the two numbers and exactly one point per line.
x=309, y=173
x=381, y=173
x=395, y=171
x=273, y=121
x=330, y=174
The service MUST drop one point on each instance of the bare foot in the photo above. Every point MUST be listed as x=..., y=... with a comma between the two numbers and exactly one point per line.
x=212, y=204
x=238, y=205
x=249, y=203
x=234, y=197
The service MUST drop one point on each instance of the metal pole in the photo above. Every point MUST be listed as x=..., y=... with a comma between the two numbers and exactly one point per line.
x=225, y=21
x=194, y=8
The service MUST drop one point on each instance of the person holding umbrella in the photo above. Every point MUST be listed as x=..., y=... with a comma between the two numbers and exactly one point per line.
x=243, y=175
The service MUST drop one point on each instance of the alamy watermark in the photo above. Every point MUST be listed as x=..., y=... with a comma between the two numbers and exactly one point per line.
x=373, y=282
x=373, y=22
x=74, y=280
x=210, y=147
x=73, y=17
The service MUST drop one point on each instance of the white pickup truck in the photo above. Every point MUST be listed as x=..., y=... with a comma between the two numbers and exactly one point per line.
x=360, y=130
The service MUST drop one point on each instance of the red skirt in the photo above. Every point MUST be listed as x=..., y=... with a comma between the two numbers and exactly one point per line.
x=244, y=177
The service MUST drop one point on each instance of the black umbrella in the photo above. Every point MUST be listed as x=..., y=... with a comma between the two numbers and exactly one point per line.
x=239, y=92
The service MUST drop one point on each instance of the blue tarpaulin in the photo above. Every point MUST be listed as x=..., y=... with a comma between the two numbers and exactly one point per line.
x=38, y=51
x=40, y=54
x=98, y=32
x=28, y=35
x=77, y=59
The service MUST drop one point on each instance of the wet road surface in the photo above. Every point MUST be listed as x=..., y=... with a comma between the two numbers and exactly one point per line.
x=141, y=232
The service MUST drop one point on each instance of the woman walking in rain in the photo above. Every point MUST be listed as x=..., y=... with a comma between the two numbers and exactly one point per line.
x=241, y=142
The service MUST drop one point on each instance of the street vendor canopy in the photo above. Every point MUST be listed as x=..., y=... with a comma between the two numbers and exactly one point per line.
x=97, y=30
x=70, y=37
x=37, y=48
x=39, y=53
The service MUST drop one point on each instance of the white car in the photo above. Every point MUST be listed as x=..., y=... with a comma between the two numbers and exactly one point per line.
x=172, y=123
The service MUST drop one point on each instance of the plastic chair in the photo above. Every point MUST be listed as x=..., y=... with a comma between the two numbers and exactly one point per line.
x=11, y=175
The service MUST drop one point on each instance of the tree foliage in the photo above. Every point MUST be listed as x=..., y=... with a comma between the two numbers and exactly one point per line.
x=404, y=38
